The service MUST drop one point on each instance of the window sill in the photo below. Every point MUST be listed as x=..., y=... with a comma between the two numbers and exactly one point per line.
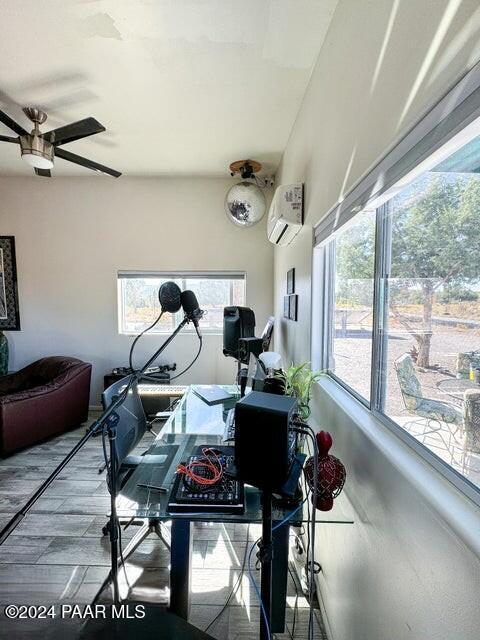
x=168, y=333
x=451, y=504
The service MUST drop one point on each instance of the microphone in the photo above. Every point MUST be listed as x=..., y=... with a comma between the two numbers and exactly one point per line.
x=191, y=309
x=169, y=297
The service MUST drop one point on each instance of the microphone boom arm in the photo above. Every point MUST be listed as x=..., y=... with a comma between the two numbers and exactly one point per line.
x=94, y=428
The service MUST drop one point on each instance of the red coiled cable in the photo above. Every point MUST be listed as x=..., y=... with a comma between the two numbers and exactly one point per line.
x=210, y=461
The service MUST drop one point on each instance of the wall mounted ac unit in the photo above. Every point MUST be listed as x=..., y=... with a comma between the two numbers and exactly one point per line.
x=285, y=216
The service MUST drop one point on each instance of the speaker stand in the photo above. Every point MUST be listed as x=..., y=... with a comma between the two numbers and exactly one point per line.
x=265, y=555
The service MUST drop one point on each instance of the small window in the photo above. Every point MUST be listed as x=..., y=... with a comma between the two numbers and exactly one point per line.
x=138, y=304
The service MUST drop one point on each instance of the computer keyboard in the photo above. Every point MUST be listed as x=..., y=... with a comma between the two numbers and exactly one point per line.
x=169, y=390
x=229, y=430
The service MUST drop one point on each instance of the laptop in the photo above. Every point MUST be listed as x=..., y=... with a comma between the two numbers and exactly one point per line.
x=211, y=393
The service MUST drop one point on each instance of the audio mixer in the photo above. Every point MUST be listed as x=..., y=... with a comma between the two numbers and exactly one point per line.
x=225, y=495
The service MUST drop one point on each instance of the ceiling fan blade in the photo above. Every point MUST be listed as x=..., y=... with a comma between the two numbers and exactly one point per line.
x=45, y=173
x=74, y=131
x=84, y=162
x=11, y=124
x=9, y=139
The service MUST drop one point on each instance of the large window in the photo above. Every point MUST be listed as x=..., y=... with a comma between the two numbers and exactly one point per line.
x=138, y=304
x=401, y=283
x=432, y=320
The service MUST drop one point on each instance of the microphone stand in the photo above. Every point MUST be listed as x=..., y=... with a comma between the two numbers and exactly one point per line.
x=108, y=419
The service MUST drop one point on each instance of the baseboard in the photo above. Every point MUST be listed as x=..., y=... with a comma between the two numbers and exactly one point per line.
x=323, y=611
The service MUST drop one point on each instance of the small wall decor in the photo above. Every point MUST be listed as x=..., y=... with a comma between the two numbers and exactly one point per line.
x=291, y=281
x=292, y=306
x=290, y=301
x=9, y=312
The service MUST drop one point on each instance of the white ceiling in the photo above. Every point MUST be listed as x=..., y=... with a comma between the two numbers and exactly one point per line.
x=183, y=87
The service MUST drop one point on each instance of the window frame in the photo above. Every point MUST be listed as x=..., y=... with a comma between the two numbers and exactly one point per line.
x=432, y=136
x=378, y=370
x=326, y=301
x=236, y=274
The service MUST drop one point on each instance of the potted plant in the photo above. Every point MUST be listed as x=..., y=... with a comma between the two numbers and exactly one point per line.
x=298, y=380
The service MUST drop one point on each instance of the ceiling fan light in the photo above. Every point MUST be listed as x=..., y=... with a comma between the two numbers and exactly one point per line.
x=36, y=151
x=38, y=162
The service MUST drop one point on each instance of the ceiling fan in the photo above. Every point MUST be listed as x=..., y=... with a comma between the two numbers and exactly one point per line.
x=40, y=149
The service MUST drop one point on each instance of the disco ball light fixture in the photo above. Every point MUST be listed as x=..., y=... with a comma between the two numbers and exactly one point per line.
x=245, y=203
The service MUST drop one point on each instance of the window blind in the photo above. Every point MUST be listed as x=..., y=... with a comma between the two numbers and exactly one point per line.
x=456, y=110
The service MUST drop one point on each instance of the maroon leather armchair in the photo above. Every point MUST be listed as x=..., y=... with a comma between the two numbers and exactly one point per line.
x=47, y=397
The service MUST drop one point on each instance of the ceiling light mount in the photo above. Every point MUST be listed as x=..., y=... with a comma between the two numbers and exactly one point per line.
x=246, y=168
x=37, y=116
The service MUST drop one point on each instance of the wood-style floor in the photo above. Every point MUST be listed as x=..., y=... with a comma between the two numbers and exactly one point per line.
x=58, y=555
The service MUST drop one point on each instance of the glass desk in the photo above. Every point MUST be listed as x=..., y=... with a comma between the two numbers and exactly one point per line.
x=194, y=423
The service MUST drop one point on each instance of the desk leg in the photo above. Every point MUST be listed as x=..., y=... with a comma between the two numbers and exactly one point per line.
x=180, y=573
x=280, y=577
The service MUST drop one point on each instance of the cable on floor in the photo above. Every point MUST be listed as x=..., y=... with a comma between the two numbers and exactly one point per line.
x=236, y=586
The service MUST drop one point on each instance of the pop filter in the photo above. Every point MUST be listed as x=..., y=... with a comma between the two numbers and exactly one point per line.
x=169, y=297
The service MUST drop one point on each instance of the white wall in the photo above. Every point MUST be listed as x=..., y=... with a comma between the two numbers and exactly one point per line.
x=74, y=234
x=407, y=568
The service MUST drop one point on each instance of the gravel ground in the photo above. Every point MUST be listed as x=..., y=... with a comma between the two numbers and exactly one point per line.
x=353, y=362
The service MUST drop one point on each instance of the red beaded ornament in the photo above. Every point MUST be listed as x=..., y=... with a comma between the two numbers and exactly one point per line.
x=331, y=473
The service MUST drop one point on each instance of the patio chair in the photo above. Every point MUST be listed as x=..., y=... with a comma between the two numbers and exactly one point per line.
x=434, y=411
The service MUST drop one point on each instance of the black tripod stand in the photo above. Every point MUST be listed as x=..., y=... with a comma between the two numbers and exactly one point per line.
x=107, y=421
x=111, y=428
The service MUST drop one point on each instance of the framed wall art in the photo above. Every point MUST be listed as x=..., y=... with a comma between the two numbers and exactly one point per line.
x=9, y=311
x=293, y=307
x=291, y=281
